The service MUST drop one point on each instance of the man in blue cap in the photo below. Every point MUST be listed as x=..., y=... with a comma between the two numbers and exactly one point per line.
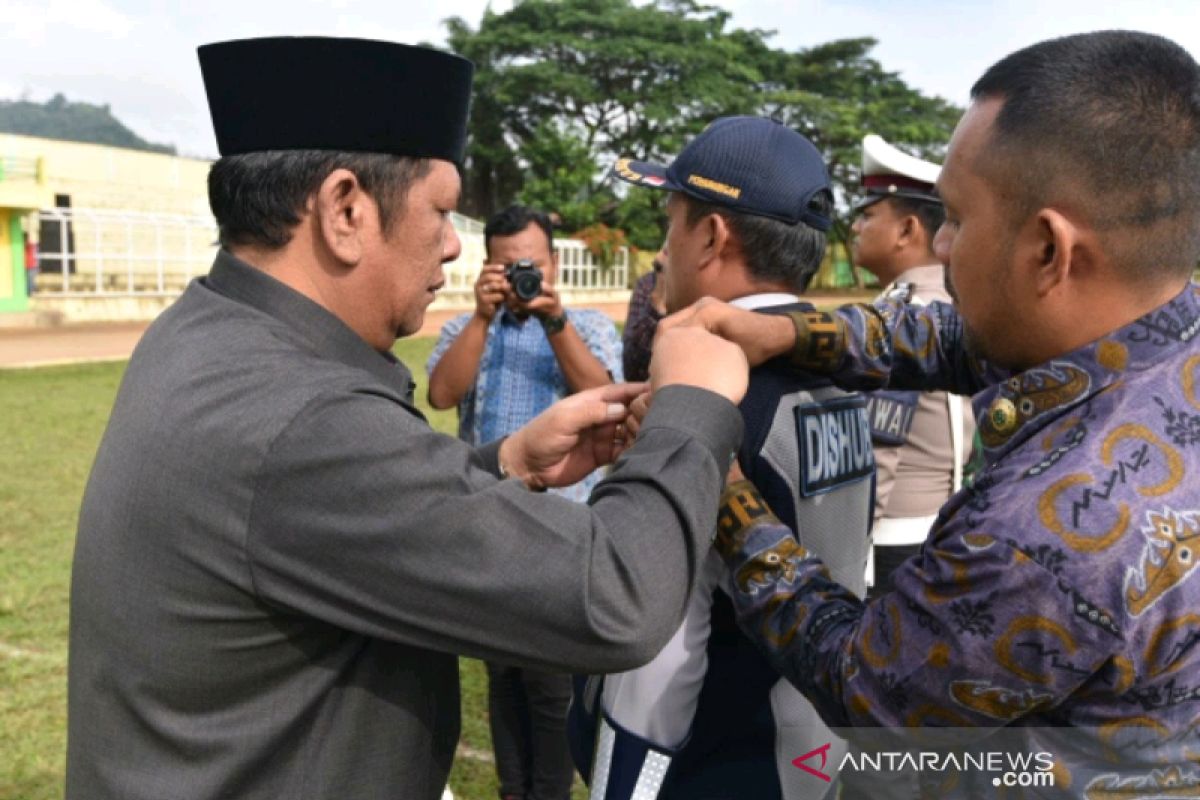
x=278, y=560
x=709, y=717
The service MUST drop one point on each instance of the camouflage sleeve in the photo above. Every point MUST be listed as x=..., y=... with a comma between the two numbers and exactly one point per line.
x=976, y=633
x=892, y=344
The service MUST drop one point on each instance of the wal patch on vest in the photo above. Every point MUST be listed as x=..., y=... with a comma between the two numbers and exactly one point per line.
x=891, y=416
x=835, y=444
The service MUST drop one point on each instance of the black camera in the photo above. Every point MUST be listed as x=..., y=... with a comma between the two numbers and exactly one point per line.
x=525, y=279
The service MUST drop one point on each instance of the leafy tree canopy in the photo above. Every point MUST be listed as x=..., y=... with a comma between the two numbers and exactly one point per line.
x=565, y=87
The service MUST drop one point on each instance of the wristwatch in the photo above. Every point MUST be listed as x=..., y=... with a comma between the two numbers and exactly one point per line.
x=553, y=325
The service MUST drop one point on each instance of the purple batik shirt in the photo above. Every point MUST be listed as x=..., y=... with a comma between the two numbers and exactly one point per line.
x=1058, y=591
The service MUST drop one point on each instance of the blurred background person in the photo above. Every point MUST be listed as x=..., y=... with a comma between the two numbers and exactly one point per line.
x=502, y=365
x=646, y=308
x=922, y=439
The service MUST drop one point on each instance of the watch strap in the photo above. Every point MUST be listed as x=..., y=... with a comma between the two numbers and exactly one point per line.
x=553, y=325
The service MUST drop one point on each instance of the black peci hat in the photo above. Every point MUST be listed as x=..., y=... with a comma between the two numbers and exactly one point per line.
x=319, y=93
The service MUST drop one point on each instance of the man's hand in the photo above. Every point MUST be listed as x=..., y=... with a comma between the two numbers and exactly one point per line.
x=690, y=356
x=761, y=336
x=490, y=290
x=638, y=410
x=571, y=438
x=735, y=473
x=546, y=305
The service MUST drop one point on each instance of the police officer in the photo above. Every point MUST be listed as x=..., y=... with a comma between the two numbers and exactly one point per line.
x=921, y=439
x=278, y=559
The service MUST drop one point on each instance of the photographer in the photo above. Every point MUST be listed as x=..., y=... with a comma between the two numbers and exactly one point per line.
x=502, y=370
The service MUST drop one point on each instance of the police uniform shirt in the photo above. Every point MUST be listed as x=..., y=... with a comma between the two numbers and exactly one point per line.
x=278, y=561
x=912, y=431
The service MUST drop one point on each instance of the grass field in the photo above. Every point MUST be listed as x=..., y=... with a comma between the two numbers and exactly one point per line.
x=51, y=421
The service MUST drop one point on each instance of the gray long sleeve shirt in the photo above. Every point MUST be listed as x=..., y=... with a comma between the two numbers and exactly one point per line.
x=278, y=561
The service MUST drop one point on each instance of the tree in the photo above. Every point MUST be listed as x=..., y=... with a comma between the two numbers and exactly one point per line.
x=604, y=78
x=565, y=87
x=835, y=94
x=561, y=172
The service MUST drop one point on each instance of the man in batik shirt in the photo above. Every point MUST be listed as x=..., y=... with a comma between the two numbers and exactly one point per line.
x=1058, y=593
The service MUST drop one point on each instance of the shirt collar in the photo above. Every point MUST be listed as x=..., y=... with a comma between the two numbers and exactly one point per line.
x=505, y=316
x=764, y=299
x=321, y=330
x=1010, y=412
x=927, y=275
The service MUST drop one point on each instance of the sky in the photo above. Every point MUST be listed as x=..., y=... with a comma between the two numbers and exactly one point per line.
x=139, y=56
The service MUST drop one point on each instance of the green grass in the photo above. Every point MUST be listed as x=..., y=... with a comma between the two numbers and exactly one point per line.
x=50, y=424
x=51, y=421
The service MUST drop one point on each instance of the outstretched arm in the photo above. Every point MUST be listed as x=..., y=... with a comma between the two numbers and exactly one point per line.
x=956, y=643
x=890, y=344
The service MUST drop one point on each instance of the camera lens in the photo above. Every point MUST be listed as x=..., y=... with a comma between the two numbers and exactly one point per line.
x=525, y=278
x=527, y=285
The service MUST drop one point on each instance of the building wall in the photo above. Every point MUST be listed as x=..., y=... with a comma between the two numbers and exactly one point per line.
x=12, y=263
x=98, y=176
x=141, y=228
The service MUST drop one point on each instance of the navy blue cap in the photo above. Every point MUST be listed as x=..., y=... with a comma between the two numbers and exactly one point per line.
x=752, y=165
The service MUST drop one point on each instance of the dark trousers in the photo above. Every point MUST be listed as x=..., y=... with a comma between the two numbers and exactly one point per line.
x=887, y=559
x=528, y=711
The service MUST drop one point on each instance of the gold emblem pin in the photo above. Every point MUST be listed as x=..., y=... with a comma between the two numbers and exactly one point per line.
x=1003, y=416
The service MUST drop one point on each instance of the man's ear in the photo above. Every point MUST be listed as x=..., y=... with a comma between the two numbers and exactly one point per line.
x=1050, y=252
x=718, y=238
x=342, y=210
x=907, y=231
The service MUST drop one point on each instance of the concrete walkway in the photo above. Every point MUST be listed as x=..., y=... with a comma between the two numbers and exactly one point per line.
x=78, y=344
x=69, y=344
x=114, y=341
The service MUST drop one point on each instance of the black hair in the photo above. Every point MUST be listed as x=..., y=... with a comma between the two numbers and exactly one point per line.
x=930, y=215
x=258, y=198
x=513, y=220
x=1108, y=122
x=774, y=251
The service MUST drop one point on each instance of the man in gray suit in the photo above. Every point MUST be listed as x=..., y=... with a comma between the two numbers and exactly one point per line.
x=277, y=559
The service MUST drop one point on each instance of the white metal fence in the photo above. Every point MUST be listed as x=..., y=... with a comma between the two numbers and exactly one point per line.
x=98, y=252
x=93, y=252
x=579, y=271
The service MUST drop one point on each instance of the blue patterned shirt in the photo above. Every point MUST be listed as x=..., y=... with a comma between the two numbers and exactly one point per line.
x=519, y=376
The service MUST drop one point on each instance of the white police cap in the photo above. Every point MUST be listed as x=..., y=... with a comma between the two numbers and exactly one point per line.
x=890, y=172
